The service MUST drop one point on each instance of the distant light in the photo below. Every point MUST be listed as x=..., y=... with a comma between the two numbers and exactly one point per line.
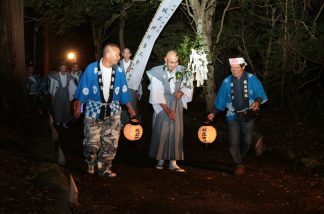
x=71, y=56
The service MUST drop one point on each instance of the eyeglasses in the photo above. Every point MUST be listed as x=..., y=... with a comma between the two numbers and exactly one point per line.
x=235, y=68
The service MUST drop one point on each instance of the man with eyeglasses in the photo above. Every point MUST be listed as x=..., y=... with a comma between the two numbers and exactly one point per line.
x=241, y=93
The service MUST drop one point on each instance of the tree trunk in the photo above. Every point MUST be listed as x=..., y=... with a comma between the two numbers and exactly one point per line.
x=46, y=51
x=284, y=63
x=122, y=19
x=12, y=58
x=203, y=12
x=266, y=73
x=97, y=40
x=121, y=33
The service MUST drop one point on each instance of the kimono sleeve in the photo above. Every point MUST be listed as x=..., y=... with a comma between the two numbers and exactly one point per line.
x=156, y=94
x=53, y=86
x=220, y=101
x=124, y=95
x=187, y=94
x=72, y=88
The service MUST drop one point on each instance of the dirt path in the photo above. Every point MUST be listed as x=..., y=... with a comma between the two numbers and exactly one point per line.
x=269, y=186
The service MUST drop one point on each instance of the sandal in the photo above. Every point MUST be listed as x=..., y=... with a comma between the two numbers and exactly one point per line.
x=157, y=166
x=178, y=170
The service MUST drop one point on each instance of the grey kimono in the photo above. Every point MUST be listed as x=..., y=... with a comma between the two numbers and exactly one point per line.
x=167, y=136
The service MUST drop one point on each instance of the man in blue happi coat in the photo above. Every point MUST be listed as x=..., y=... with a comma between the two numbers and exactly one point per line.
x=102, y=89
x=241, y=93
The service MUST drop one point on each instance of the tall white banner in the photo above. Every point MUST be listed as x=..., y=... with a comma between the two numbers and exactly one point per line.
x=161, y=17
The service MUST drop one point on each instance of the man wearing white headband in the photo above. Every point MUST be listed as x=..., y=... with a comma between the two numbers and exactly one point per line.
x=241, y=93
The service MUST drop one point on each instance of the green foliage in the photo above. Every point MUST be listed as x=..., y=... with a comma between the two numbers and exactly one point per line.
x=184, y=48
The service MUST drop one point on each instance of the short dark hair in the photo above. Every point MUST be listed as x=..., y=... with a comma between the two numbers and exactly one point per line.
x=63, y=63
x=242, y=65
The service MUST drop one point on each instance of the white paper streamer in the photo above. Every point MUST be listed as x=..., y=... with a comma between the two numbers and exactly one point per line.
x=161, y=17
x=198, y=66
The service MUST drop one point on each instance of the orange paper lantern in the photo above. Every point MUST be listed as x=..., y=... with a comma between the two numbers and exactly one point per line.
x=207, y=133
x=133, y=130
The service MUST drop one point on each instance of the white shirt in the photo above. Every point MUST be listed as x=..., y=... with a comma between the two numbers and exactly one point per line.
x=126, y=64
x=63, y=78
x=172, y=80
x=75, y=75
x=106, y=79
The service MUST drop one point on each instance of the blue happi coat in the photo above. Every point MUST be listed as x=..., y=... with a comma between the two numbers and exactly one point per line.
x=224, y=100
x=88, y=91
x=33, y=84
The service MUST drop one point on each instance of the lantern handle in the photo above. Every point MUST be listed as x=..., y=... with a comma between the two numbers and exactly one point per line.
x=209, y=122
x=134, y=121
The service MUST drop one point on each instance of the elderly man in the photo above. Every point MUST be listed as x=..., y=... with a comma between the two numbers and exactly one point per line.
x=168, y=97
x=103, y=88
x=242, y=94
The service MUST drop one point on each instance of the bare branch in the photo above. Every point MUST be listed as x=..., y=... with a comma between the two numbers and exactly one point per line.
x=210, y=4
x=189, y=10
x=222, y=21
x=303, y=23
x=190, y=20
x=233, y=8
x=246, y=51
x=261, y=17
x=116, y=16
x=318, y=14
x=312, y=80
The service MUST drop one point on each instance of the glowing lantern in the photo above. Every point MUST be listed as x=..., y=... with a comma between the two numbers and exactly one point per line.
x=207, y=133
x=133, y=130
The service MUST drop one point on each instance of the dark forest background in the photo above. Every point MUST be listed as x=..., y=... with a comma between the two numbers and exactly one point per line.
x=281, y=40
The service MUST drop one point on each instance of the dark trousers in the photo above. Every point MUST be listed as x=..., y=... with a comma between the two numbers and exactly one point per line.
x=240, y=138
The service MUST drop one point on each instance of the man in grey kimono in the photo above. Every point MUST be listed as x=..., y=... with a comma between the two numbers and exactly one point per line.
x=62, y=88
x=168, y=96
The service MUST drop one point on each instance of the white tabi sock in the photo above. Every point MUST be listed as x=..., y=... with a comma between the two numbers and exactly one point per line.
x=160, y=162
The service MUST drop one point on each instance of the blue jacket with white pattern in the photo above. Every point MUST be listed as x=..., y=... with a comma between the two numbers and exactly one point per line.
x=88, y=91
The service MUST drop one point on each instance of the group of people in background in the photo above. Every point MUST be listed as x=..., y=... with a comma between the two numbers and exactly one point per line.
x=53, y=93
x=102, y=94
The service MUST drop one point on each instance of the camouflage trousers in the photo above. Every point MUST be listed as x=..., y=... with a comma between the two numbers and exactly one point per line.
x=101, y=140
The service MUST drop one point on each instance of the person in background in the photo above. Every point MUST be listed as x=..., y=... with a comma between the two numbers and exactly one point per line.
x=103, y=89
x=46, y=96
x=62, y=88
x=242, y=94
x=33, y=87
x=168, y=100
x=76, y=73
x=125, y=64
